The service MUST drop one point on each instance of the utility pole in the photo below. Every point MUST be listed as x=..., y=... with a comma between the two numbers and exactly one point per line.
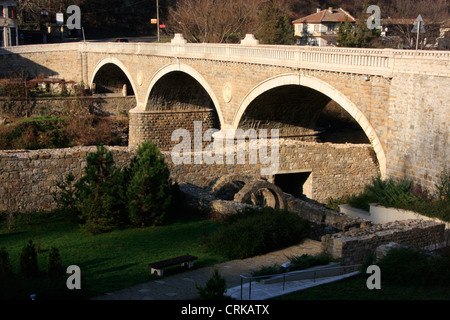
x=157, y=17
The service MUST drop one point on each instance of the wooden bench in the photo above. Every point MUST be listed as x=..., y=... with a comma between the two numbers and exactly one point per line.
x=158, y=267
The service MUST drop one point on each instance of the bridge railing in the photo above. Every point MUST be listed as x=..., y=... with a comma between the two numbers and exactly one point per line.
x=383, y=62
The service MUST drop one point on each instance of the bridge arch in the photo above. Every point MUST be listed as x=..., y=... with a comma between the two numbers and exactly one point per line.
x=185, y=69
x=324, y=88
x=117, y=63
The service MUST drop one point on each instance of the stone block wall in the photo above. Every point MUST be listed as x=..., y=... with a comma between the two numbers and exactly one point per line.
x=28, y=178
x=157, y=126
x=417, y=145
x=60, y=61
x=353, y=246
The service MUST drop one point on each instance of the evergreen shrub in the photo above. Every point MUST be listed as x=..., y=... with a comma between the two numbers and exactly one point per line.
x=150, y=189
x=253, y=232
x=411, y=266
x=101, y=193
x=5, y=265
x=28, y=261
x=109, y=197
x=55, y=268
x=214, y=289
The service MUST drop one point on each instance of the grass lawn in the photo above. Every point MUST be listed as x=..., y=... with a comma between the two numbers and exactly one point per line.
x=118, y=259
x=355, y=288
x=108, y=262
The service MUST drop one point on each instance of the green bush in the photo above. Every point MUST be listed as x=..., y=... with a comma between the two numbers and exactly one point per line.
x=410, y=266
x=108, y=197
x=307, y=261
x=101, y=193
x=5, y=266
x=253, y=232
x=150, y=189
x=66, y=197
x=28, y=261
x=443, y=186
x=34, y=133
x=297, y=263
x=402, y=194
x=55, y=268
x=214, y=289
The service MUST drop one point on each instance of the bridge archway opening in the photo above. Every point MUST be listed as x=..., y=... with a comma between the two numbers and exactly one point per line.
x=298, y=184
x=304, y=114
x=179, y=91
x=309, y=110
x=111, y=79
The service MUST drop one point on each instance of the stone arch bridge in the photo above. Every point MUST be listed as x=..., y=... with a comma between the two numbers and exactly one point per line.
x=398, y=98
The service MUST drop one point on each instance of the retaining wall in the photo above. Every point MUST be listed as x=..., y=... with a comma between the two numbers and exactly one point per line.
x=353, y=246
x=28, y=178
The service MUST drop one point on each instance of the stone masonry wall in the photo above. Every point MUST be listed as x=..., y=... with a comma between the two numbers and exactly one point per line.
x=353, y=246
x=62, y=63
x=157, y=126
x=418, y=142
x=405, y=101
x=28, y=178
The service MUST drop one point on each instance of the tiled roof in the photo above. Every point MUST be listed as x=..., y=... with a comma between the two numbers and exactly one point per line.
x=397, y=21
x=327, y=15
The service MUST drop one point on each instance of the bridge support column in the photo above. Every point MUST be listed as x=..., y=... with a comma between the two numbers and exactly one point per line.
x=136, y=126
x=159, y=125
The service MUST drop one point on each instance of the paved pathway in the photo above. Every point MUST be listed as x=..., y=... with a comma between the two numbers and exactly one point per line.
x=182, y=286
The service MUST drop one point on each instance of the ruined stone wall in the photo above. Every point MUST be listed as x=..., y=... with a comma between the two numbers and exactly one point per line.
x=353, y=246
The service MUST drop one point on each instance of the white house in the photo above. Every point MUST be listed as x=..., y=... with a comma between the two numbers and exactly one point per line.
x=9, y=31
x=320, y=28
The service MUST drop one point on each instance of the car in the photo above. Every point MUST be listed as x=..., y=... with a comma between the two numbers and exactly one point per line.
x=122, y=40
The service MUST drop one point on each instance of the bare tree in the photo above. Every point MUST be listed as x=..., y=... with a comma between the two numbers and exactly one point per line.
x=31, y=12
x=216, y=21
x=404, y=12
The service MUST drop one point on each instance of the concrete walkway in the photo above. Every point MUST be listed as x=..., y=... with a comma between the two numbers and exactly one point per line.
x=182, y=286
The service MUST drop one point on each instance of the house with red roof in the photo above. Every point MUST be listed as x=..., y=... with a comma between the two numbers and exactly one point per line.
x=321, y=28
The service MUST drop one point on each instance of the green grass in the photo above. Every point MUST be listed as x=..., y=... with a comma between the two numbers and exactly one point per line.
x=355, y=289
x=109, y=261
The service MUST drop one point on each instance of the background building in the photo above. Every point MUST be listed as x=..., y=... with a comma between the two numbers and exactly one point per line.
x=9, y=31
x=320, y=28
